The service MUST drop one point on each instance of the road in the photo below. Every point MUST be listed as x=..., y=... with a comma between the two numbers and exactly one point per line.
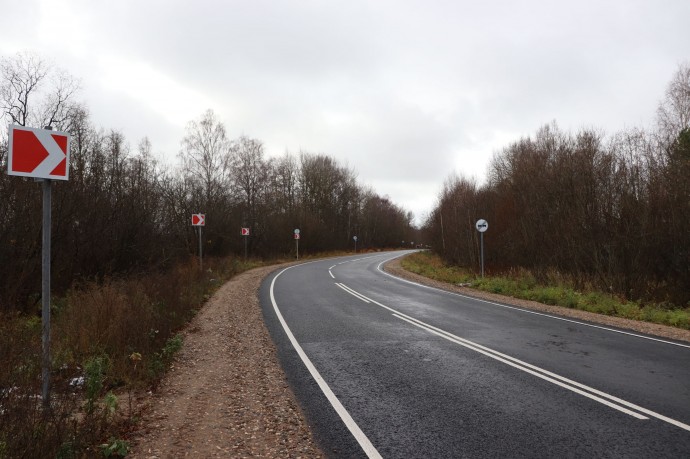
x=386, y=368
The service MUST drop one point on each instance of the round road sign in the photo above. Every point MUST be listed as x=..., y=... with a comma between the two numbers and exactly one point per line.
x=296, y=230
x=481, y=225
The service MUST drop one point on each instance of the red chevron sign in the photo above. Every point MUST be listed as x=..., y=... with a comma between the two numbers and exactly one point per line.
x=198, y=220
x=38, y=153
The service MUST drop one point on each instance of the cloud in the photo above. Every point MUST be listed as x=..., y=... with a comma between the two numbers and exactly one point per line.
x=404, y=92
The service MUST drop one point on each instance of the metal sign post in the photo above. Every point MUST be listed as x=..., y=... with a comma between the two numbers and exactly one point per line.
x=44, y=155
x=199, y=220
x=482, y=225
x=245, y=233
x=297, y=242
x=45, y=292
x=201, y=256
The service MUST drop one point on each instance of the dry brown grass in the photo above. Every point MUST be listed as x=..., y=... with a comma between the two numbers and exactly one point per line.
x=118, y=334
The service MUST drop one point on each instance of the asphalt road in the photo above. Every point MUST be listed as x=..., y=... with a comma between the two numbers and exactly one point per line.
x=386, y=368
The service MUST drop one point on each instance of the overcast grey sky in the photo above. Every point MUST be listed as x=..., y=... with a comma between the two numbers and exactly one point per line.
x=404, y=92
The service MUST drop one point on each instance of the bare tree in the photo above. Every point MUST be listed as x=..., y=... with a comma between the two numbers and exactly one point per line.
x=250, y=176
x=206, y=155
x=673, y=114
x=33, y=92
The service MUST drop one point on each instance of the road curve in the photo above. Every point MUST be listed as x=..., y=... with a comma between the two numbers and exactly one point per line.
x=386, y=368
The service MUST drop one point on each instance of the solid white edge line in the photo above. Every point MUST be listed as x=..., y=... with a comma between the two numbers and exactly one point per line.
x=524, y=310
x=329, y=272
x=361, y=438
x=352, y=292
x=527, y=370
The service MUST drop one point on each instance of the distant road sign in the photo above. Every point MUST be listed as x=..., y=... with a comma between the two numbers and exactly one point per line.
x=296, y=235
x=296, y=232
x=481, y=225
x=354, y=238
x=38, y=153
x=198, y=220
x=245, y=231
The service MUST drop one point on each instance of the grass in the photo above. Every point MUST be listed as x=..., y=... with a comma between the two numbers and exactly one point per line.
x=523, y=284
x=109, y=339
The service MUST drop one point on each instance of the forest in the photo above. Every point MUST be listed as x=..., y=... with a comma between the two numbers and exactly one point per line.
x=610, y=212
x=123, y=211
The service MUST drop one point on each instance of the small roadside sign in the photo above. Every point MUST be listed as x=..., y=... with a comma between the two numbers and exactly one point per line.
x=198, y=220
x=482, y=225
x=245, y=231
x=296, y=235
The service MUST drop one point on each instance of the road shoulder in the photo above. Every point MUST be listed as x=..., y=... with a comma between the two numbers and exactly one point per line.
x=226, y=394
x=662, y=331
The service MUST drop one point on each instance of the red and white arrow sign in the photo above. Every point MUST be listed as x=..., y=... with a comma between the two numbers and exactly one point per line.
x=198, y=220
x=38, y=153
x=245, y=231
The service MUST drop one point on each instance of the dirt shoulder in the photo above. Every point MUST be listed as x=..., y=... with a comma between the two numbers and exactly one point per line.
x=662, y=331
x=226, y=394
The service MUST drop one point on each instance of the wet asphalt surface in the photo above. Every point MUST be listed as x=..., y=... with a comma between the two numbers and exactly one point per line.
x=428, y=374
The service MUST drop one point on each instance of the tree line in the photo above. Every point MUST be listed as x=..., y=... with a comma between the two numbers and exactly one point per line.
x=608, y=211
x=122, y=211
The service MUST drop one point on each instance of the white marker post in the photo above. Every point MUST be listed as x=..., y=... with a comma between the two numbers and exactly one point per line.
x=482, y=225
x=297, y=242
x=44, y=155
x=355, y=239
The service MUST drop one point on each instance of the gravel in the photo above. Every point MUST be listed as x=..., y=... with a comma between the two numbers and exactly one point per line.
x=226, y=394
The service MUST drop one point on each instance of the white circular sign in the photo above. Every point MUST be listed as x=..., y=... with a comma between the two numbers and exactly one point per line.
x=355, y=238
x=297, y=231
x=482, y=225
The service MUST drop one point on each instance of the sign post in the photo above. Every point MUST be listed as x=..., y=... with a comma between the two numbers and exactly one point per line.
x=355, y=239
x=297, y=242
x=44, y=155
x=245, y=233
x=482, y=225
x=199, y=220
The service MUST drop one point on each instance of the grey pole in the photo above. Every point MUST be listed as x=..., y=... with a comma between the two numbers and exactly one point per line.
x=297, y=247
x=45, y=310
x=201, y=257
x=45, y=290
x=481, y=236
x=245, y=248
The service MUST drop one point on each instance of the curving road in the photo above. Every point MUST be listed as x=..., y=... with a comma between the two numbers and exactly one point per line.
x=386, y=368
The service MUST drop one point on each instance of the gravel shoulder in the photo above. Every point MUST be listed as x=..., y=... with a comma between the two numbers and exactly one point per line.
x=662, y=331
x=226, y=394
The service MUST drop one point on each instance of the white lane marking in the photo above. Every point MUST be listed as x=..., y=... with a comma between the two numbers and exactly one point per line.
x=552, y=377
x=544, y=377
x=332, y=267
x=352, y=292
x=525, y=310
x=361, y=438
x=329, y=272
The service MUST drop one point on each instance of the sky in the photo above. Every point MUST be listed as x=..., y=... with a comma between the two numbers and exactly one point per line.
x=404, y=92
